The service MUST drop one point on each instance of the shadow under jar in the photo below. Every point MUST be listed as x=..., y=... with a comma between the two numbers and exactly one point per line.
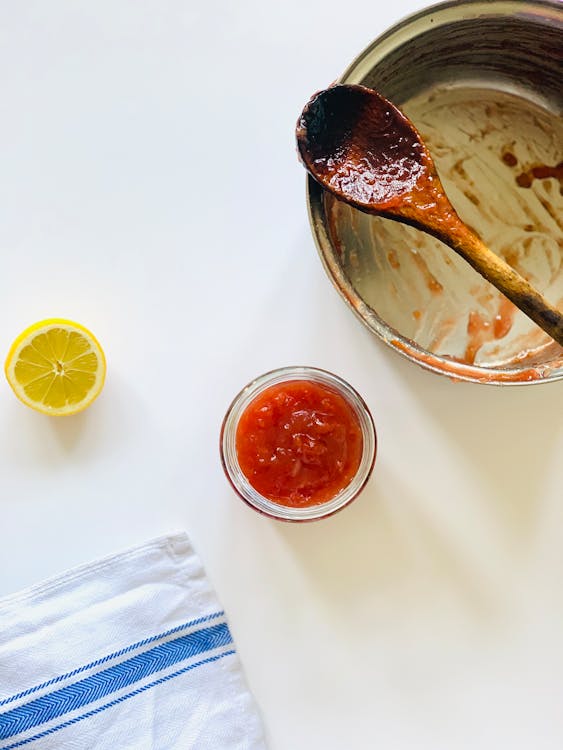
x=482, y=83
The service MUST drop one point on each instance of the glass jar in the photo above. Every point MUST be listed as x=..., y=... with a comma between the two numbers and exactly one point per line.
x=230, y=460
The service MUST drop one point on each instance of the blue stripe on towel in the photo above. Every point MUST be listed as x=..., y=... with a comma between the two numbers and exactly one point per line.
x=122, y=698
x=113, y=655
x=118, y=676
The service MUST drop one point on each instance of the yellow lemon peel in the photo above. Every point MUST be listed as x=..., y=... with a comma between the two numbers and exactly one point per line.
x=56, y=366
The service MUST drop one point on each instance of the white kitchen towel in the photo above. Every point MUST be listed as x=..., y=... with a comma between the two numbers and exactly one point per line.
x=132, y=652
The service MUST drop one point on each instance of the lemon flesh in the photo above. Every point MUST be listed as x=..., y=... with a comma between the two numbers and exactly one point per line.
x=56, y=367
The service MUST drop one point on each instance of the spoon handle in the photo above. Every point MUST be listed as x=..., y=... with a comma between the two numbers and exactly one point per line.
x=497, y=271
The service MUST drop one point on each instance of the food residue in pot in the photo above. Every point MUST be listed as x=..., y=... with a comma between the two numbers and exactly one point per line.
x=482, y=141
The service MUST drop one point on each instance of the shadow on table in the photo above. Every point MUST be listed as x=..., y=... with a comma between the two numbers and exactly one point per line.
x=402, y=551
x=36, y=439
x=506, y=434
x=386, y=552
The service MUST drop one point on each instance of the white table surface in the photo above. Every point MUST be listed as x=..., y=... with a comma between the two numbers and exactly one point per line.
x=149, y=188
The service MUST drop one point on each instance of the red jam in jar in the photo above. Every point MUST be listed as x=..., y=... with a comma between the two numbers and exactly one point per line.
x=299, y=443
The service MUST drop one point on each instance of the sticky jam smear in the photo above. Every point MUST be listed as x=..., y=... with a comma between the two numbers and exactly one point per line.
x=481, y=330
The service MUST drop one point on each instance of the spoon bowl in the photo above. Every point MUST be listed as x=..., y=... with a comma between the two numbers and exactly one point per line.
x=362, y=149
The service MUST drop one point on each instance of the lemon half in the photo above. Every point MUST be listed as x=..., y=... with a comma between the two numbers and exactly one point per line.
x=56, y=367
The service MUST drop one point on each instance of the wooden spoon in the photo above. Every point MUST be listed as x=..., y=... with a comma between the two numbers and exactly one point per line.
x=363, y=150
